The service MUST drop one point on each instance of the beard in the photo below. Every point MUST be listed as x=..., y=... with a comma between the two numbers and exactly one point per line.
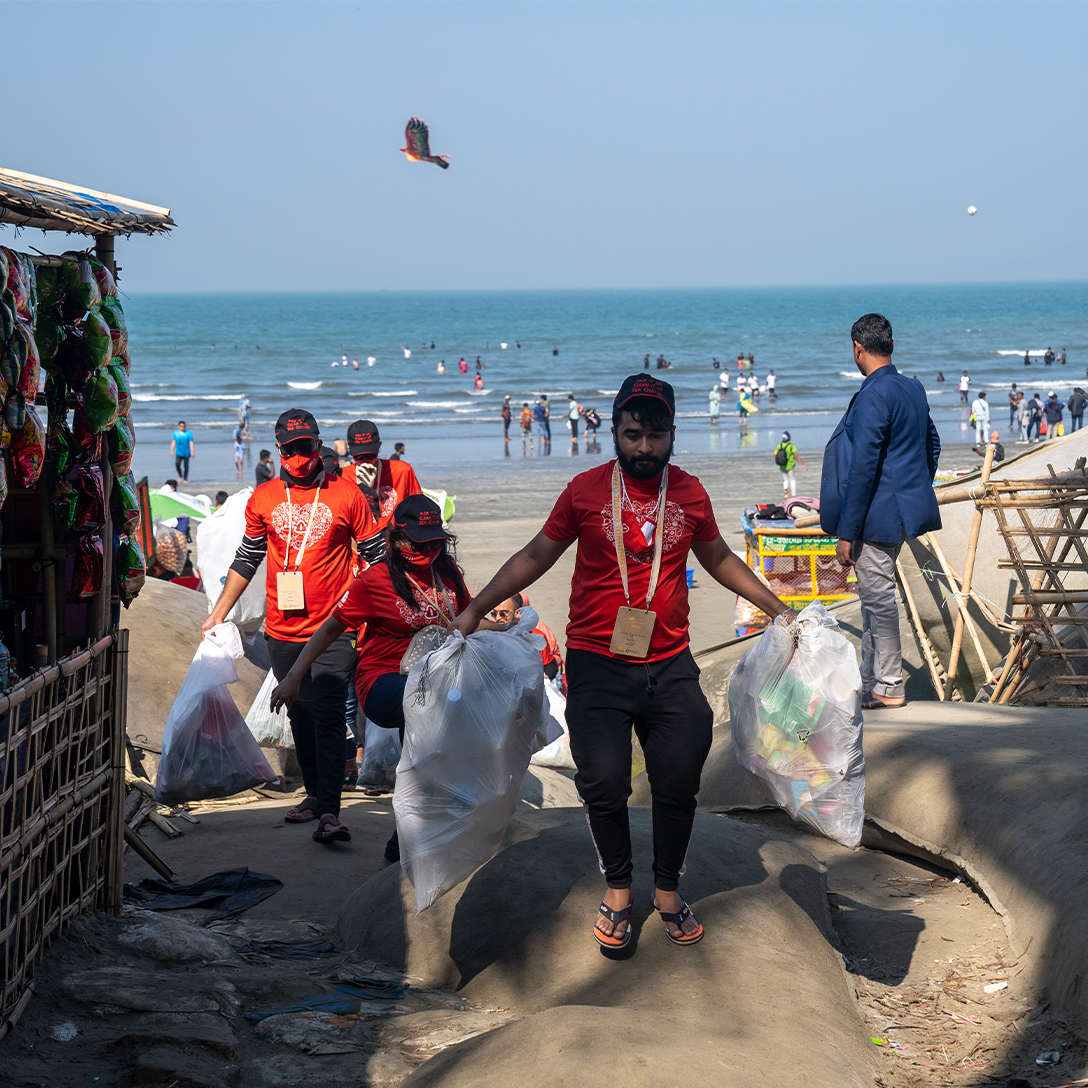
x=642, y=468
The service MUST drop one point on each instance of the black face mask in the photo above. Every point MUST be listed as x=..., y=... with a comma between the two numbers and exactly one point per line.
x=642, y=468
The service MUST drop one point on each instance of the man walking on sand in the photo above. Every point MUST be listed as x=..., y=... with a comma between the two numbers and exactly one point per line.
x=305, y=523
x=876, y=492
x=965, y=385
x=628, y=662
x=787, y=459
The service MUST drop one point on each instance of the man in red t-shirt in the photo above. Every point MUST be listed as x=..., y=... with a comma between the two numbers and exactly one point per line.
x=391, y=481
x=304, y=524
x=628, y=661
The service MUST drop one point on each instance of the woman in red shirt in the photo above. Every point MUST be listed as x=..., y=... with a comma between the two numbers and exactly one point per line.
x=417, y=584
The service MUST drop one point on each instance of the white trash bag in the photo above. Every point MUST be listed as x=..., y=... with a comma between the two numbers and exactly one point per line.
x=795, y=714
x=272, y=730
x=381, y=754
x=555, y=752
x=217, y=540
x=472, y=709
x=207, y=748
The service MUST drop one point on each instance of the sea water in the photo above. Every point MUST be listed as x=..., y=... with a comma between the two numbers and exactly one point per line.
x=194, y=356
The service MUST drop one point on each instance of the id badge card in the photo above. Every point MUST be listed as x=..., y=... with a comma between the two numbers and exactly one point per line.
x=290, y=596
x=632, y=633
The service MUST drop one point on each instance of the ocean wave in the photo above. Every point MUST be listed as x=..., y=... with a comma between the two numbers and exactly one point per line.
x=608, y=392
x=305, y=385
x=390, y=393
x=851, y=374
x=434, y=404
x=184, y=396
x=1041, y=352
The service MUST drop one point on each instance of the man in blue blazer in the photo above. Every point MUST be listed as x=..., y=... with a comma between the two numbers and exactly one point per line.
x=876, y=492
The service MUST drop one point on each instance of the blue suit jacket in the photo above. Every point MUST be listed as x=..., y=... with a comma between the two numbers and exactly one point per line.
x=877, y=482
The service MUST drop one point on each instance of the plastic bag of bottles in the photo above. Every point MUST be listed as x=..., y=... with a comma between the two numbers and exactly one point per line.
x=381, y=754
x=207, y=748
x=471, y=711
x=795, y=714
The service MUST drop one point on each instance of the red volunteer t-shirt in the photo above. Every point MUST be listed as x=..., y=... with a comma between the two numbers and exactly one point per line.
x=397, y=482
x=584, y=511
x=390, y=624
x=340, y=517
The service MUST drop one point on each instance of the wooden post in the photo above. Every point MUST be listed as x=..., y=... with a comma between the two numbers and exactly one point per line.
x=962, y=596
x=923, y=638
x=118, y=736
x=968, y=572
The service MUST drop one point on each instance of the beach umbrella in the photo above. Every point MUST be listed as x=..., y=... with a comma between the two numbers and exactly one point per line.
x=169, y=506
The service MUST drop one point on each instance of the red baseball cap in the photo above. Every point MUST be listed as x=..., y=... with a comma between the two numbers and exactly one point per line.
x=643, y=385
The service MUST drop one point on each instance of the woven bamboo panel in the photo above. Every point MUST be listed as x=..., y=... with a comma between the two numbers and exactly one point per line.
x=61, y=757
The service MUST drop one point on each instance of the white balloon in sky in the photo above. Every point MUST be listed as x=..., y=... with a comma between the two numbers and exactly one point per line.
x=971, y=210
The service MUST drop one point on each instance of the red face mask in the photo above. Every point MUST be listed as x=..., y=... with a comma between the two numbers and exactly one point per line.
x=300, y=464
x=427, y=554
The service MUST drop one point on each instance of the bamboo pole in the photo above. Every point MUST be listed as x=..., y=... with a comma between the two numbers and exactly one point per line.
x=961, y=599
x=916, y=619
x=968, y=572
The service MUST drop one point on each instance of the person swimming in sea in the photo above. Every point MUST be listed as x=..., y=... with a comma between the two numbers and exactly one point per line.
x=441, y=368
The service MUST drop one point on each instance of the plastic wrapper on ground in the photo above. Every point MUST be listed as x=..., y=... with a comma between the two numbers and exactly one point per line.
x=381, y=754
x=554, y=739
x=795, y=715
x=207, y=748
x=471, y=711
x=272, y=729
x=217, y=540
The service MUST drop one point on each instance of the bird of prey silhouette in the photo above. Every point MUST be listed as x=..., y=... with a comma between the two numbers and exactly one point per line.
x=418, y=145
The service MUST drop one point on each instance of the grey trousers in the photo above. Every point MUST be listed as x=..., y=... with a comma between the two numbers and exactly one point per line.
x=881, y=651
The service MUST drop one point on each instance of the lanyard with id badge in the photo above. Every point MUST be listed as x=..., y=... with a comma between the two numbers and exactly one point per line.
x=635, y=626
x=290, y=595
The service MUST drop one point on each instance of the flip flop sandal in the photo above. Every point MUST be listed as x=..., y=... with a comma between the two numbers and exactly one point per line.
x=350, y=781
x=331, y=830
x=678, y=920
x=871, y=702
x=302, y=813
x=606, y=940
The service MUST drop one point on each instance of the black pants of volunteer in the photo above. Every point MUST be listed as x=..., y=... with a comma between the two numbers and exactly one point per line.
x=319, y=715
x=673, y=722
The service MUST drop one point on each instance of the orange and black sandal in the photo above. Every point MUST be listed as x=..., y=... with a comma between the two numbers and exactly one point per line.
x=678, y=920
x=608, y=940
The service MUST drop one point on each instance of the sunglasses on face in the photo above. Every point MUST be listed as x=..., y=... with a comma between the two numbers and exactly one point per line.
x=300, y=445
x=503, y=613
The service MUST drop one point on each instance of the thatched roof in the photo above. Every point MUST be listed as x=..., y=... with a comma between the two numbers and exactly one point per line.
x=30, y=201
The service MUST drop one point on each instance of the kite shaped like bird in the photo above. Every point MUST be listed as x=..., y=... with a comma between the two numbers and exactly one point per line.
x=418, y=144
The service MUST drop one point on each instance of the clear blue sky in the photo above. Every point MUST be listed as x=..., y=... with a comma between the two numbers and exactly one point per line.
x=592, y=145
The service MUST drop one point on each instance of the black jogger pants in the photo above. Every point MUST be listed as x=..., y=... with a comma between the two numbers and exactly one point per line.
x=319, y=715
x=673, y=722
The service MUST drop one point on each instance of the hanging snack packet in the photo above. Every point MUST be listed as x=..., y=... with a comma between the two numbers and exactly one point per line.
x=124, y=393
x=129, y=566
x=13, y=355
x=50, y=288
x=88, y=444
x=121, y=444
x=30, y=375
x=69, y=358
x=65, y=503
x=28, y=447
x=125, y=506
x=107, y=286
x=114, y=318
x=97, y=346
x=80, y=287
x=87, y=573
x=14, y=412
x=49, y=334
x=60, y=444
x=100, y=401
x=3, y=480
x=91, y=509
x=20, y=282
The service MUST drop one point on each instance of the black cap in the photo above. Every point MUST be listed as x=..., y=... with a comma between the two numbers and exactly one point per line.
x=330, y=461
x=296, y=423
x=643, y=385
x=363, y=438
x=420, y=519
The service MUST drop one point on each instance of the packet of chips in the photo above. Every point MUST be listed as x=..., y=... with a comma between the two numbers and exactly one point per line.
x=114, y=318
x=88, y=443
x=28, y=449
x=14, y=412
x=107, y=285
x=124, y=393
x=50, y=288
x=100, y=401
x=122, y=443
x=80, y=286
x=125, y=505
x=65, y=503
x=91, y=509
x=97, y=345
x=129, y=565
x=13, y=354
x=30, y=375
x=61, y=445
x=20, y=282
x=49, y=334
x=87, y=573
x=69, y=358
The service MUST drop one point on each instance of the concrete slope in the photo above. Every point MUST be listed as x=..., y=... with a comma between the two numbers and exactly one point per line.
x=763, y=997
